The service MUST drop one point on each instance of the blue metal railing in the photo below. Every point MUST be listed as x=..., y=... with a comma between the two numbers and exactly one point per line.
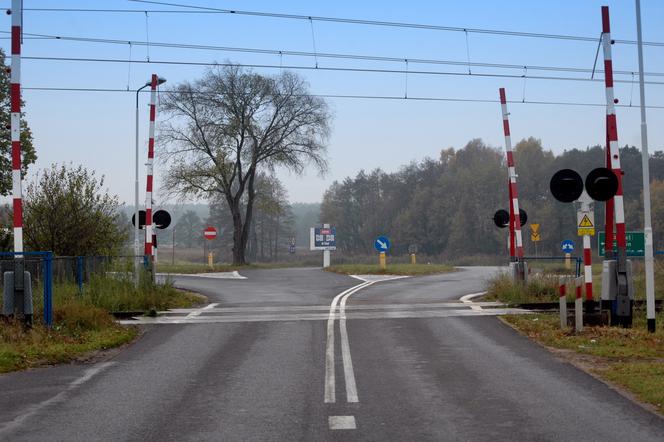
x=47, y=257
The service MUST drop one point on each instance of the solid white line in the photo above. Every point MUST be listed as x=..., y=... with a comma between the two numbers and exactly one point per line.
x=330, y=387
x=341, y=422
x=467, y=299
x=60, y=397
x=349, y=374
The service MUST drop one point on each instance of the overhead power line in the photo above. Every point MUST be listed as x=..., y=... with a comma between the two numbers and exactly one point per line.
x=194, y=9
x=327, y=68
x=352, y=96
x=362, y=57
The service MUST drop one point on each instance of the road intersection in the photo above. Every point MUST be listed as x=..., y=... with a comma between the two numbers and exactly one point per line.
x=302, y=354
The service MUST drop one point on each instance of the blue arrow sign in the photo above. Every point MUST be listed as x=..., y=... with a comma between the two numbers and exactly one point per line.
x=382, y=244
x=567, y=246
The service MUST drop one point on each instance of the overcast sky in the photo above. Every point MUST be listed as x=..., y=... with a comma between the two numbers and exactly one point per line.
x=96, y=129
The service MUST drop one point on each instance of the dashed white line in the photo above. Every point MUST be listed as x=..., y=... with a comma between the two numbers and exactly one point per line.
x=341, y=422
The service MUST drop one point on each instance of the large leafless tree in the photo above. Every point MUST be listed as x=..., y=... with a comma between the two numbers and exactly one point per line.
x=225, y=127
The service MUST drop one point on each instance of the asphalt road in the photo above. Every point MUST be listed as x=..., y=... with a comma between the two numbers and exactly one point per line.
x=272, y=361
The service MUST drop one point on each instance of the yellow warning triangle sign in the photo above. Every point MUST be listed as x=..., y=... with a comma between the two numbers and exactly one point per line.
x=585, y=222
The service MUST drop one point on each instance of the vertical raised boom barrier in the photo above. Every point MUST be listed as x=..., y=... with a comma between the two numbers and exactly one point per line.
x=149, y=185
x=516, y=239
x=622, y=304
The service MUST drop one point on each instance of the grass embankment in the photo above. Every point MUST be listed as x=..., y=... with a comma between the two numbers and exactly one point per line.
x=631, y=359
x=391, y=269
x=543, y=288
x=82, y=322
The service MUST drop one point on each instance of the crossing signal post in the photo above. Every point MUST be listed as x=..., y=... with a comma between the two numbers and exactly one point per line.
x=504, y=219
x=601, y=184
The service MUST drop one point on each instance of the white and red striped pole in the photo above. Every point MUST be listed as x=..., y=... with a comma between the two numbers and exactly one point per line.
x=612, y=132
x=562, y=301
x=148, y=189
x=15, y=93
x=511, y=172
x=587, y=268
x=578, y=306
x=512, y=246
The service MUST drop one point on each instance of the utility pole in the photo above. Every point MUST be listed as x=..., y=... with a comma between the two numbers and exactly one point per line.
x=647, y=222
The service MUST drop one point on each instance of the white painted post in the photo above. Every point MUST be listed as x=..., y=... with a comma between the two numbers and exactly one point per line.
x=326, y=253
x=578, y=305
x=562, y=301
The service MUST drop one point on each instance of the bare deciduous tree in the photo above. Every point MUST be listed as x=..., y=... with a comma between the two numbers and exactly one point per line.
x=232, y=122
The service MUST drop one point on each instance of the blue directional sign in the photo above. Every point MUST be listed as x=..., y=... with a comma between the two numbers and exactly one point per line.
x=382, y=244
x=567, y=246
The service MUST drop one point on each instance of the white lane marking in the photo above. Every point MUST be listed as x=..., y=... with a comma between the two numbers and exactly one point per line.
x=198, y=312
x=388, y=314
x=330, y=394
x=326, y=308
x=341, y=422
x=216, y=275
x=14, y=424
x=349, y=374
x=378, y=278
x=467, y=299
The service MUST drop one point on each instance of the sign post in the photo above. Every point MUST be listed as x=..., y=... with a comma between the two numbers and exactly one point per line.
x=325, y=239
x=210, y=233
x=535, y=236
x=585, y=225
x=412, y=250
x=382, y=245
x=567, y=246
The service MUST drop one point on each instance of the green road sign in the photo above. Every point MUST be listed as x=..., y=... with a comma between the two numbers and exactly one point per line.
x=636, y=243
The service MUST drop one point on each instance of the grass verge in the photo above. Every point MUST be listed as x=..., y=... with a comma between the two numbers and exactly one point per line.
x=77, y=332
x=82, y=321
x=542, y=288
x=630, y=359
x=391, y=269
x=189, y=268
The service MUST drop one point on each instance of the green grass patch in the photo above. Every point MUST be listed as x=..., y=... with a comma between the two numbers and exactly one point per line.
x=632, y=358
x=391, y=269
x=539, y=288
x=190, y=268
x=643, y=379
x=82, y=321
x=77, y=332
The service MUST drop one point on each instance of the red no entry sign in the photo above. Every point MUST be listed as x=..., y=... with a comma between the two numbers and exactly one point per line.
x=210, y=233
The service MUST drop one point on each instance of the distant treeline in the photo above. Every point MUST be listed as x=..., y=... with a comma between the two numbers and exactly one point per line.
x=445, y=205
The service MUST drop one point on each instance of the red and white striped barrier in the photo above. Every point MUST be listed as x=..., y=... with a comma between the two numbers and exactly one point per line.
x=613, y=152
x=15, y=93
x=148, y=189
x=511, y=172
x=562, y=301
x=587, y=267
x=578, y=305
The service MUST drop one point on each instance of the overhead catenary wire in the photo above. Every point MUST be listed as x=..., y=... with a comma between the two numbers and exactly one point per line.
x=350, y=96
x=361, y=57
x=325, y=68
x=195, y=9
